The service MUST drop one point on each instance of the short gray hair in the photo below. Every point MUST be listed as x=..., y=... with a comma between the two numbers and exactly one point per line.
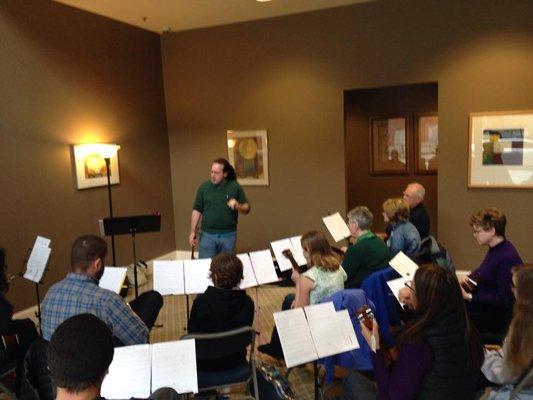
x=362, y=216
x=419, y=190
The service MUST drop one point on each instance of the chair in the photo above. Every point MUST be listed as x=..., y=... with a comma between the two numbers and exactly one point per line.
x=8, y=362
x=37, y=384
x=215, y=346
x=359, y=359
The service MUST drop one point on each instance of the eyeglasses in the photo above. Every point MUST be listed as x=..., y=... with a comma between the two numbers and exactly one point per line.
x=409, y=285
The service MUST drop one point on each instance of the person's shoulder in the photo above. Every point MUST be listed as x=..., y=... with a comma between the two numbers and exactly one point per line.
x=205, y=185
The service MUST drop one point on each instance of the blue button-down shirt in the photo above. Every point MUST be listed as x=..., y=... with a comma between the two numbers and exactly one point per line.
x=78, y=294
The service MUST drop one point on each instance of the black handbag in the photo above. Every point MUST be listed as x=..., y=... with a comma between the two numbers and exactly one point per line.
x=272, y=385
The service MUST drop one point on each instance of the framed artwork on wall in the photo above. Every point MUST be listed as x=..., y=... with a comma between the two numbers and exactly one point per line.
x=389, y=146
x=248, y=153
x=90, y=168
x=426, y=143
x=500, y=150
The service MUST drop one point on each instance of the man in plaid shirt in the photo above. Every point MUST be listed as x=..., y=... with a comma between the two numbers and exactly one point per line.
x=79, y=293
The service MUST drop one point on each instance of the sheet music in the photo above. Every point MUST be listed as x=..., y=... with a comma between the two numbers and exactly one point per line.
x=403, y=265
x=113, y=278
x=174, y=365
x=278, y=247
x=248, y=279
x=296, y=341
x=336, y=227
x=296, y=242
x=263, y=265
x=196, y=275
x=168, y=277
x=396, y=284
x=327, y=337
x=129, y=373
x=348, y=333
x=38, y=259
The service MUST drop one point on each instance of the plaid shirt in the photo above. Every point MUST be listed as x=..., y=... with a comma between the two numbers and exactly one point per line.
x=78, y=294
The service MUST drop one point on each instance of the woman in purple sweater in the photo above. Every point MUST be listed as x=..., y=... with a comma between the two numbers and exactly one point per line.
x=438, y=353
x=490, y=303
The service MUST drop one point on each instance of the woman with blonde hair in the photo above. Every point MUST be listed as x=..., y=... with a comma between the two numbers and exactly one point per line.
x=324, y=276
x=404, y=236
x=515, y=359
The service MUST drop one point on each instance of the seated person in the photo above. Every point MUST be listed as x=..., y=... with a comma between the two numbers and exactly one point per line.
x=222, y=307
x=323, y=277
x=508, y=365
x=404, y=236
x=79, y=293
x=24, y=329
x=368, y=254
x=438, y=353
x=79, y=354
x=413, y=195
x=490, y=303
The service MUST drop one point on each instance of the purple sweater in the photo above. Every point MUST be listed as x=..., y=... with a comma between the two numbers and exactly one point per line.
x=403, y=379
x=494, y=286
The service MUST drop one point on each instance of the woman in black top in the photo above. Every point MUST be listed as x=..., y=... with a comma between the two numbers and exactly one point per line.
x=24, y=329
x=222, y=307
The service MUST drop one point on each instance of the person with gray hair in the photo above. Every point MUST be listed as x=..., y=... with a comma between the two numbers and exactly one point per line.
x=368, y=254
x=414, y=195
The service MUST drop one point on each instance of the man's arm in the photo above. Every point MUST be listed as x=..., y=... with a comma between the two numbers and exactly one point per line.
x=243, y=208
x=127, y=326
x=195, y=220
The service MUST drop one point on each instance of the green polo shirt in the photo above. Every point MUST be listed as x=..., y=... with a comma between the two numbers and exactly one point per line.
x=211, y=201
x=367, y=255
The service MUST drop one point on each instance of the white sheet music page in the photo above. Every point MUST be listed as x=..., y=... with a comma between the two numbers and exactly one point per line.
x=278, y=247
x=296, y=341
x=113, y=278
x=327, y=336
x=396, y=284
x=168, y=277
x=403, y=265
x=348, y=333
x=248, y=279
x=263, y=265
x=174, y=365
x=296, y=242
x=129, y=373
x=38, y=259
x=196, y=275
x=336, y=227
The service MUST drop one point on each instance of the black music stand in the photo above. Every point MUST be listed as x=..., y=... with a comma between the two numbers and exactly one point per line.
x=131, y=226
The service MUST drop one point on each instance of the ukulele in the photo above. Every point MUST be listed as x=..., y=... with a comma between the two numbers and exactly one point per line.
x=288, y=254
x=473, y=282
x=366, y=317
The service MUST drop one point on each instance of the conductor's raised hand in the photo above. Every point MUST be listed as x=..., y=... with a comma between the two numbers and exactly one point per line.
x=233, y=204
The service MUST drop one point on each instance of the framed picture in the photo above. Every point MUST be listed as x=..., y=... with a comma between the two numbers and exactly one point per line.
x=248, y=153
x=389, y=146
x=90, y=168
x=426, y=143
x=500, y=151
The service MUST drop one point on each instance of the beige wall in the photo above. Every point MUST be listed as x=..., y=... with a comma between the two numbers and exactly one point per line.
x=288, y=75
x=67, y=76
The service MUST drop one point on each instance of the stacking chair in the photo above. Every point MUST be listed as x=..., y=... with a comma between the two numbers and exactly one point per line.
x=215, y=346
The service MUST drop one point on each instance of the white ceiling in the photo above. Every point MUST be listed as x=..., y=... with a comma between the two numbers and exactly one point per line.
x=180, y=15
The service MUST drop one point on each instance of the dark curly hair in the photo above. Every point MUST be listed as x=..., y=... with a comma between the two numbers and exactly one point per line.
x=489, y=218
x=226, y=270
x=227, y=168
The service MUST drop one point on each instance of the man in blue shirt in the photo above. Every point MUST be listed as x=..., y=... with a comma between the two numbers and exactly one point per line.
x=79, y=293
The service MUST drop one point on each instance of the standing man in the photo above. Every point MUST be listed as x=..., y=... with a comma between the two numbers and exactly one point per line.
x=414, y=196
x=368, y=254
x=217, y=204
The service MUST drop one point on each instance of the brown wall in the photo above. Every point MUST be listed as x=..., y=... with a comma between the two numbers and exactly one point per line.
x=67, y=76
x=371, y=190
x=288, y=75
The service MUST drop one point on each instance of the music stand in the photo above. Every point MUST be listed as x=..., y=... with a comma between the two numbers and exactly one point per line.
x=131, y=226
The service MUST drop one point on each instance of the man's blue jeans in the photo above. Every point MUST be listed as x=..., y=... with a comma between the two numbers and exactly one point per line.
x=212, y=244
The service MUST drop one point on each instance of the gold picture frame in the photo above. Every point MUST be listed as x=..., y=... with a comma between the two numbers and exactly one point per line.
x=248, y=153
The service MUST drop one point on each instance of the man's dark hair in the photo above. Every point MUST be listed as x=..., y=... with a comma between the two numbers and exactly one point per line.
x=226, y=270
x=227, y=168
x=79, y=353
x=85, y=250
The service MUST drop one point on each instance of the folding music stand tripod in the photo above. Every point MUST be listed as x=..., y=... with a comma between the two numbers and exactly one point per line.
x=131, y=226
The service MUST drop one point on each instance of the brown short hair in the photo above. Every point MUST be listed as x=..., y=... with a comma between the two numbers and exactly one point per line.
x=320, y=252
x=226, y=270
x=396, y=209
x=85, y=250
x=489, y=218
